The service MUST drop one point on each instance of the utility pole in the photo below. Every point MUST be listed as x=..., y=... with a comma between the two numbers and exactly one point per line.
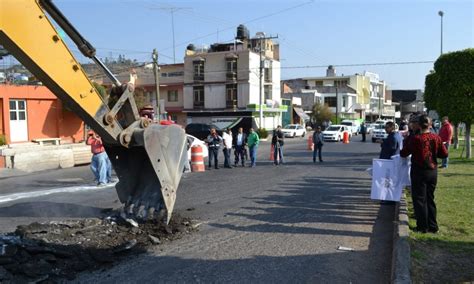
x=441, y=14
x=156, y=71
x=262, y=49
x=337, y=107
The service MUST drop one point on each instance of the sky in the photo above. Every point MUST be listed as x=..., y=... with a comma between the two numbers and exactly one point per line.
x=311, y=34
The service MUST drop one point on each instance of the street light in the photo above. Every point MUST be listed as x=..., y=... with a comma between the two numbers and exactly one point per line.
x=441, y=14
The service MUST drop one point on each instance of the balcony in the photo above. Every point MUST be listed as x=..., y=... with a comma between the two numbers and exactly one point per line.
x=231, y=76
x=231, y=104
x=198, y=78
x=198, y=104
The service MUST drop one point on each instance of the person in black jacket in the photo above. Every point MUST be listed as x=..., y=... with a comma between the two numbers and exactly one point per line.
x=390, y=144
x=239, y=141
x=277, y=142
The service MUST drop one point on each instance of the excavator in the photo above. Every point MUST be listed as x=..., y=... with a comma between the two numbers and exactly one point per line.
x=148, y=158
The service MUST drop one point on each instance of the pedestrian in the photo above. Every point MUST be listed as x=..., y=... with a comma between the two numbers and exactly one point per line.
x=363, y=131
x=101, y=166
x=277, y=143
x=239, y=152
x=389, y=145
x=214, y=143
x=227, y=138
x=424, y=148
x=446, y=134
x=318, y=143
x=253, y=140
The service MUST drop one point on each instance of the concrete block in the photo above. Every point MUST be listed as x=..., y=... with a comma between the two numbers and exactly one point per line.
x=43, y=160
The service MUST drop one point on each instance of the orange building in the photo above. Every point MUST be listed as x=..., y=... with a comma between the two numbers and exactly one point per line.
x=34, y=112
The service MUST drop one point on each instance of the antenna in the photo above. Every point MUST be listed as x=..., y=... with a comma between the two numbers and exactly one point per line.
x=172, y=10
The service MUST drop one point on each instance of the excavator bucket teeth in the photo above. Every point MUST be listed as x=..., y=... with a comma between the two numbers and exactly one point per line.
x=149, y=176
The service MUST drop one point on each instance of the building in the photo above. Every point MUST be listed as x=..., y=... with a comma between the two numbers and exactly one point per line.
x=300, y=104
x=171, y=88
x=408, y=102
x=348, y=96
x=228, y=83
x=33, y=112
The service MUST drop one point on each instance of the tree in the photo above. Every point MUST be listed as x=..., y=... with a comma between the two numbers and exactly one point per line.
x=450, y=89
x=321, y=113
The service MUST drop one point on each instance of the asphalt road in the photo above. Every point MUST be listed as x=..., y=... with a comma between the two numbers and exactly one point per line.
x=263, y=224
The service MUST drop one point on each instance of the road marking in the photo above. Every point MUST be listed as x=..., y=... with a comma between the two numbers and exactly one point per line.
x=70, y=189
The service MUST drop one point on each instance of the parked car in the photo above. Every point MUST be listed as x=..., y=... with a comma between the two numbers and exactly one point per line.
x=193, y=141
x=354, y=126
x=201, y=130
x=379, y=132
x=336, y=133
x=293, y=130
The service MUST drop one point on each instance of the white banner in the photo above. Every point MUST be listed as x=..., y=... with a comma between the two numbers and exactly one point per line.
x=389, y=177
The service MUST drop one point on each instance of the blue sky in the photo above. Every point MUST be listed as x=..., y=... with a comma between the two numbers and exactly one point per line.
x=311, y=33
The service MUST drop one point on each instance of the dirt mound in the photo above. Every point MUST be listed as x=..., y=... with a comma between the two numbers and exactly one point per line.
x=51, y=252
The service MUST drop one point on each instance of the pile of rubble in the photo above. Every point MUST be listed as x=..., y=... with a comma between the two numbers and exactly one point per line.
x=51, y=252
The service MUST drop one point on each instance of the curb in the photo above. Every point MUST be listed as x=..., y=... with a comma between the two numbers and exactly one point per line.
x=401, y=248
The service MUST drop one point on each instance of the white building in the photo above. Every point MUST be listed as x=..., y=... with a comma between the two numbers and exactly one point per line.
x=222, y=83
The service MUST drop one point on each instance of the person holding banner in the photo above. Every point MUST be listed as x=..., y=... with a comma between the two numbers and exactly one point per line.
x=424, y=148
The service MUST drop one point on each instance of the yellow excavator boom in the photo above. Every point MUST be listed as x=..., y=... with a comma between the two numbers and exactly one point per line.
x=148, y=159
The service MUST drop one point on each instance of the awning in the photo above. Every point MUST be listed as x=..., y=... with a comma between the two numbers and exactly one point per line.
x=300, y=112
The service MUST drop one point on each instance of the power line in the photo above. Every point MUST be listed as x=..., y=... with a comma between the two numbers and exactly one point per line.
x=286, y=67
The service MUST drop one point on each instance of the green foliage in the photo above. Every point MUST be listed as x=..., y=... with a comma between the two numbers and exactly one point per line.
x=3, y=140
x=100, y=89
x=262, y=133
x=450, y=89
x=321, y=113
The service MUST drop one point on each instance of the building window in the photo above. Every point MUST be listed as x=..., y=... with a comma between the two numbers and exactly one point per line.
x=231, y=69
x=340, y=83
x=330, y=101
x=173, y=96
x=231, y=95
x=318, y=83
x=267, y=90
x=268, y=74
x=198, y=92
x=344, y=101
x=198, y=70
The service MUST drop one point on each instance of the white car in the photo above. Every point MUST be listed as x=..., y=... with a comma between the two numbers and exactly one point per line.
x=293, y=130
x=196, y=142
x=336, y=133
x=379, y=132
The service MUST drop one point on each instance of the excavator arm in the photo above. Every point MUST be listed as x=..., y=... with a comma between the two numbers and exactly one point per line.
x=148, y=158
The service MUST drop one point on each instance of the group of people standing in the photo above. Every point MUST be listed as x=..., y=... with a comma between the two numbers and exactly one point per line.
x=239, y=142
x=425, y=147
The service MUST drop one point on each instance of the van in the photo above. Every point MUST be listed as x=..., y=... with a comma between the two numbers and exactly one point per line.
x=353, y=125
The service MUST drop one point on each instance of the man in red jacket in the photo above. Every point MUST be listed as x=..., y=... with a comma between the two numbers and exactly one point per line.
x=446, y=134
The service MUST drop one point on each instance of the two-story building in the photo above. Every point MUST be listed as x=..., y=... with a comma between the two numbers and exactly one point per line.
x=231, y=82
x=348, y=96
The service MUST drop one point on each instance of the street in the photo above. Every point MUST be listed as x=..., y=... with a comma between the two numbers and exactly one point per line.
x=264, y=224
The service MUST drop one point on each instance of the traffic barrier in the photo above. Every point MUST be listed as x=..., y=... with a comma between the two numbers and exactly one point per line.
x=197, y=159
x=310, y=143
x=345, y=138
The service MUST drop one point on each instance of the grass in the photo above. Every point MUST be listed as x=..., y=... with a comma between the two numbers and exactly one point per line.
x=453, y=246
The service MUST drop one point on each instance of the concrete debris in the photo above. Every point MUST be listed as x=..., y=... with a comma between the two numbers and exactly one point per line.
x=56, y=251
x=154, y=240
x=132, y=222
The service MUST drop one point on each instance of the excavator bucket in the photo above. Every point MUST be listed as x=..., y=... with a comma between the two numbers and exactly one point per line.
x=149, y=176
